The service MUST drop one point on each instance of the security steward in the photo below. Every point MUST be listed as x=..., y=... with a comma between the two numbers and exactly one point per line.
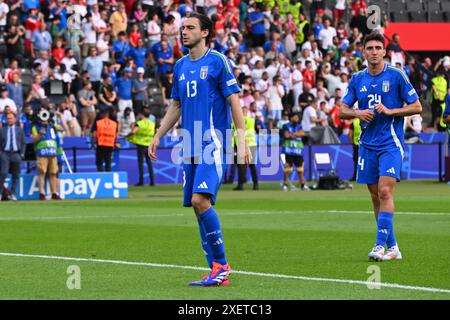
x=252, y=144
x=142, y=136
x=104, y=135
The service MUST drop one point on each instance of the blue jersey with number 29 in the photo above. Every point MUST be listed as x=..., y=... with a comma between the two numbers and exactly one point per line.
x=392, y=88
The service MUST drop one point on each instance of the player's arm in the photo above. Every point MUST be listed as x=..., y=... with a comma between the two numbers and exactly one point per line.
x=345, y=112
x=169, y=120
x=238, y=118
x=408, y=110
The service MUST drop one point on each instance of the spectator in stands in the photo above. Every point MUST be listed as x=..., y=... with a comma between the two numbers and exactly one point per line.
x=88, y=103
x=326, y=36
x=15, y=91
x=359, y=21
x=107, y=96
x=75, y=38
x=118, y=20
x=140, y=94
x=41, y=40
x=59, y=8
x=334, y=119
x=94, y=65
x=413, y=128
x=5, y=101
x=275, y=93
x=88, y=28
x=310, y=118
x=36, y=97
x=139, y=54
x=14, y=48
x=123, y=87
x=121, y=47
x=394, y=51
x=309, y=76
x=258, y=31
x=153, y=31
x=164, y=59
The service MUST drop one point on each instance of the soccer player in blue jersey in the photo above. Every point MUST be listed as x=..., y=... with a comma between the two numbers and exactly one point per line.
x=204, y=88
x=384, y=95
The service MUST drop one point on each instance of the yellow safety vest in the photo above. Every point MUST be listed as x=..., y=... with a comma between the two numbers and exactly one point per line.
x=145, y=133
x=440, y=84
x=250, y=132
x=356, y=131
x=300, y=35
x=284, y=6
x=269, y=3
x=295, y=10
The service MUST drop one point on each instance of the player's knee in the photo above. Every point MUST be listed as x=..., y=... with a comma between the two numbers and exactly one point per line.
x=385, y=193
x=200, y=202
x=288, y=168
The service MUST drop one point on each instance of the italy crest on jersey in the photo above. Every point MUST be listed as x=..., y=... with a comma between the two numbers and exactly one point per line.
x=203, y=72
x=385, y=86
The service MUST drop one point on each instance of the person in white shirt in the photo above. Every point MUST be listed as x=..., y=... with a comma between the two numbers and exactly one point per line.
x=257, y=55
x=297, y=82
x=310, y=118
x=276, y=93
x=70, y=61
x=103, y=47
x=326, y=35
x=272, y=68
x=88, y=27
x=153, y=31
x=263, y=84
x=4, y=9
x=6, y=101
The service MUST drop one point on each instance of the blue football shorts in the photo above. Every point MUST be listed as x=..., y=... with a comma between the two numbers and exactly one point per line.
x=203, y=177
x=372, y=164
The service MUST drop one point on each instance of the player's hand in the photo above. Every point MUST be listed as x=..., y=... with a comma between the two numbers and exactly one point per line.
x=152, y=149
x=365, y=115
x=381, y=108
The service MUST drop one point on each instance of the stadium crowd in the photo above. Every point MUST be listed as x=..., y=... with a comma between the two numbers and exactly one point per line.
x=289, y=56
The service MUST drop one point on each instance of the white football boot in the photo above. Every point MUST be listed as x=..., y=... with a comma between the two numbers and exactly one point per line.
x=392, y=253
x=377, y=253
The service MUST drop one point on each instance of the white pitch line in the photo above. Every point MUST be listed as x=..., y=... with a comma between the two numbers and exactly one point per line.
x=257, y=274
x=224, y=212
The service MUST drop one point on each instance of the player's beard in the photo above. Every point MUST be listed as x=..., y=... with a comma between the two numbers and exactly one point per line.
x=192, y=44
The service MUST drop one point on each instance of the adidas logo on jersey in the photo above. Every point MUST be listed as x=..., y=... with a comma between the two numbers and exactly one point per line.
x=203, y=185
x=383, y=231
x=181, y=77
x=363, y=89
x=391, y=170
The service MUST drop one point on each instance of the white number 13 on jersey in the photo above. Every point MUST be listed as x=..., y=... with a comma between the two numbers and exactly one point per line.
x=191, y=88
x=373, y=100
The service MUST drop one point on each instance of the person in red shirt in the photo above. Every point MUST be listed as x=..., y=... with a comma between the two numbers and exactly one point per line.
x=358, y=4
x=309, y=75
x=335, y=120
x=58, y=52
x=135, y=35
x=32, y=24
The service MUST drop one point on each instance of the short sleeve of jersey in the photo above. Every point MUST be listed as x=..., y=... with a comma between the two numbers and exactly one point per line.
x=350, y=95
x=175, y=94
x=407, y=92
x=447, y=106
x=227, y=81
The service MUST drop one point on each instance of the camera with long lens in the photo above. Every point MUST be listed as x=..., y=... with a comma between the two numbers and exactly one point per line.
x=44, y=115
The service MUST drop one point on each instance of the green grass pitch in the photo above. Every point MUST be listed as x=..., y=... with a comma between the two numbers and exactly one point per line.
x=277, y=235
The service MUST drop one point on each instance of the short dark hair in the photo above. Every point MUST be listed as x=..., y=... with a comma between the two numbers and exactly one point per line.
x=374, y=36
x=205, y=24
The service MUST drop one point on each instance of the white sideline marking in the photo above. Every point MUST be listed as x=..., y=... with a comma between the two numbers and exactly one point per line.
x=257, y=274
x=224, y=212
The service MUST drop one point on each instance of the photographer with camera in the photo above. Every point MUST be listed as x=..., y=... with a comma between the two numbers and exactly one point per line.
x=45, y=146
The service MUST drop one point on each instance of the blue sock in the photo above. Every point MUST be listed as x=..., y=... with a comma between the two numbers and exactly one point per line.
x=391, y=241
x=211, y=225
x=206, y=249
x=384, y=227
